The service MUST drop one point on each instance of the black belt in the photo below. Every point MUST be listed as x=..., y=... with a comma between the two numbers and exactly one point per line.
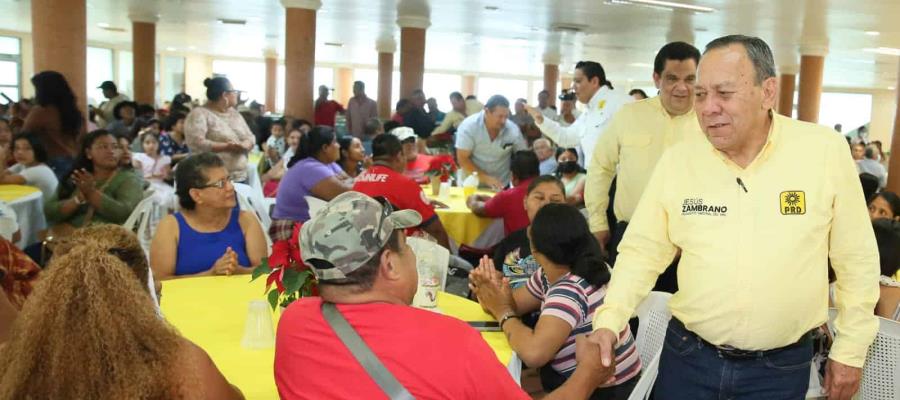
x=730, y=352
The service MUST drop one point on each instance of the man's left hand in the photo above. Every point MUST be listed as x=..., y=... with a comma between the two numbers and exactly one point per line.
x=841, y=381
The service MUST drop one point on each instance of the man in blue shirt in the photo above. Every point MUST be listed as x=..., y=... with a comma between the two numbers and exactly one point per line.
x=486, y=141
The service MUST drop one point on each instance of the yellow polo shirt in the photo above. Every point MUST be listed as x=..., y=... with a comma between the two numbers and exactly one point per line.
x=754, y=264
x=633, y=142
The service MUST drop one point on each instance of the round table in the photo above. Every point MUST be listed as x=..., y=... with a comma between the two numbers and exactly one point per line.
x=28, y=203
x=211, y=312
x=463, y=226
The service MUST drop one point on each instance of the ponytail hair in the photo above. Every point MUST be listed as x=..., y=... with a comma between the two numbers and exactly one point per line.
x=560, y=232
x=311, y=144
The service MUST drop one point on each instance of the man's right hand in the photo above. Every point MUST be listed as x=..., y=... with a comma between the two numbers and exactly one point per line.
x=603, y=238
x=488, y=180
x=606, y=340
x=589, y=355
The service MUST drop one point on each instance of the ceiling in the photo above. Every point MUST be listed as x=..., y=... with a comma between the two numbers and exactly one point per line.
x=470, y=36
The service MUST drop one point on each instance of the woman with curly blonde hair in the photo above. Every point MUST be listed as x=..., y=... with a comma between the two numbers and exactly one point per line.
x=90, y=331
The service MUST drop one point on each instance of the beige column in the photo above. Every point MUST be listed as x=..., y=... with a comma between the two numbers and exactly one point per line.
x=786, y=87
x=59, y=42
x=893, y=183
x=413, y=17
x=386, y=47
x=551, y=78
x=299, y=57
x=143, y=48
x=812, y=68
x=566, y=82
x=271, y=80
x=343, y=85
x=468, y=85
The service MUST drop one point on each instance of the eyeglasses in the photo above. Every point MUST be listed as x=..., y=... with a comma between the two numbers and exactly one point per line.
x=386, y=210
x=219, y=184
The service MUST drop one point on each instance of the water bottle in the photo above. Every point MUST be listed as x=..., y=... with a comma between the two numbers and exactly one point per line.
x=470, y=184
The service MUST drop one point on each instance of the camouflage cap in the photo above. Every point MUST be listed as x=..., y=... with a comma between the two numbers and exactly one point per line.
x=348, y=231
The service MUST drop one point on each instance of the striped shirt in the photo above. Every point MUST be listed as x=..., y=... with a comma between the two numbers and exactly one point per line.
x=574, y=300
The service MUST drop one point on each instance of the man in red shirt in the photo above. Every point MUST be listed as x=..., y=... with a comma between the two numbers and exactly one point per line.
x=416, y=164
x=509, y=204
x=357, y=249
x=385, y=178
x=326, y=109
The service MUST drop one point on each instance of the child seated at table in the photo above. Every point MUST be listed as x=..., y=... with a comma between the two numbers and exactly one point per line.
x=568, y=287
x=155, y=168
x=30, y=166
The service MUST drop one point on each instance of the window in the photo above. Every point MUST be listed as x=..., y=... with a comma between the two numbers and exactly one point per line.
x=851, y=110
x=174, y=77
x=440, y=86
x=125, y=81
x=247, y=76
x=370, y=77
x=10, y=67
x=99, y=69
x=512, y=89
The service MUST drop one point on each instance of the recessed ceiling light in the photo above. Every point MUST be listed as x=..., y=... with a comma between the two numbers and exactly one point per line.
x=103, y=25
x=873, y=33
x=192, y=47
x=891, y=88
x=491, y=8
x=642, y=65
x=890, y=51
x=667, y=4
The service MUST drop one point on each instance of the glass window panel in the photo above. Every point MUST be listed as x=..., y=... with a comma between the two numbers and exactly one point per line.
x=9, y=45
x=512, y=89
x=247, y=76
x=851, y=110
x=10, y=91
x=368, y=76
x=99, y=69
x=174, y=73
x=440, y=86
x=9, y=73
x=279, y=91
x=125, y=82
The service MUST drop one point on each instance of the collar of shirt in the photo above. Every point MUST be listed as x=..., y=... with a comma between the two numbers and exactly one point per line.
x=483, y=126
x=764, y=153
x=601, y=96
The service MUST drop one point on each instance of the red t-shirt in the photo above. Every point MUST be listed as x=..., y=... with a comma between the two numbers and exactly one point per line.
x=432, y=355
x=401, y=191
x=325, y=112
x=509, y=204
x=416, y=169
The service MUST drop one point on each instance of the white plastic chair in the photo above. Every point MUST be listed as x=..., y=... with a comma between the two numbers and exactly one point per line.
x=247, y=203
x=881, y=372
x=653, y=317
x=143, y=221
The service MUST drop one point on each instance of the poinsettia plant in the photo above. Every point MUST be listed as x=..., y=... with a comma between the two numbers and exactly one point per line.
x=441, y=165
x=285, y=269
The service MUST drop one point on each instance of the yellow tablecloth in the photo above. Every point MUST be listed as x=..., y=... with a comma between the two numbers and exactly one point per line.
x=10, y=193
x=461, y=224
x=211, y=312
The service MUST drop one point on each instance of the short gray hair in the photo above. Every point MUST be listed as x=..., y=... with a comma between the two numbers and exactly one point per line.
x=757, y=50
x=496, y=101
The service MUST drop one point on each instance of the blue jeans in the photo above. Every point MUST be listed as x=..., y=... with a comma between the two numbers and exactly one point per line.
x=693, y=369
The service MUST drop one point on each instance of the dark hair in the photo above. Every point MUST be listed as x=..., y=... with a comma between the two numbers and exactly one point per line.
x=216, y=87
x=525, y=164
x=891, y=198
x=496, y=101
x=390, y=125
x=117, y=110
x=52, y=89
x=364, y=276
x=312, y=143
x=297, y=123
x=887, y=237
x=757, y=50
x=386, y=146
x=191, y=174
x=344, y=142
x=560, y=232
x=561, y=150
x=593, y=69
x=869, y=184
x=402, y=103
x=169, y=123
x=870, y=152
x=676, y=51
x=456, y=95
x=279, y=122
x=471, y=97
x=372, y=125
x=146, y=110
x=638, y=91
x=546, y=179
x=66, y=187
x=37, y=146
x=360, y=84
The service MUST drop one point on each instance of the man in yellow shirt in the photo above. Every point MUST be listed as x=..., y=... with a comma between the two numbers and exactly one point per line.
x=758, y=210
x=635, y=140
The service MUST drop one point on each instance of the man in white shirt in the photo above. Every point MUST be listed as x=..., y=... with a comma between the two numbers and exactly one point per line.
x=105, y=110
x=591, y=88
x=869, y=164
x=546, y=109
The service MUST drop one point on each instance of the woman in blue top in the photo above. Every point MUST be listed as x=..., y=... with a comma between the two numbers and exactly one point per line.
x=210, y=235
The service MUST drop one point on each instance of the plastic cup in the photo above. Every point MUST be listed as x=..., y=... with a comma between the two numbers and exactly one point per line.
x=444, y=193
x=258, y=330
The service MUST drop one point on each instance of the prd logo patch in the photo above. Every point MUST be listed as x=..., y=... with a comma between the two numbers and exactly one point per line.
x=793, y=202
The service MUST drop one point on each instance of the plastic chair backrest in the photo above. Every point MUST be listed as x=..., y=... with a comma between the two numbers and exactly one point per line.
x=314, y=204
x=254, y=202
x=263, y=218
x=881, y=373
x=142, y=222
x=653, y=315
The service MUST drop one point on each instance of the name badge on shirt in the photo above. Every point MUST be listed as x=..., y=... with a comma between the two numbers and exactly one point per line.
x=698, y=206
x=793, y=202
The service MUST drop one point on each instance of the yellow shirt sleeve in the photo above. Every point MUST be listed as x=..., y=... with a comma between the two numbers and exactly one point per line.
x=854, y=258
x=601, y=173
x=644, y=253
